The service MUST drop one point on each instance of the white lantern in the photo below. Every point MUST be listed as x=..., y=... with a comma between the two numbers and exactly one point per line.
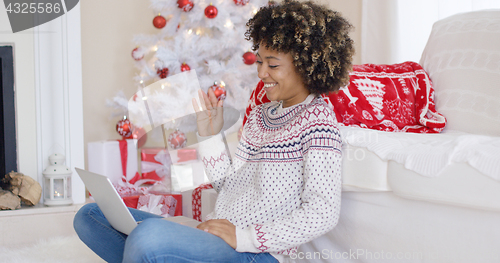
x=57, y=182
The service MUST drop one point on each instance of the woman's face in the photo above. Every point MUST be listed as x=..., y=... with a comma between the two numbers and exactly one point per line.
x=281, y=81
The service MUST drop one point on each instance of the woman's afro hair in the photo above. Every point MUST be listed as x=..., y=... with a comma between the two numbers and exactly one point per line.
x=316, y=37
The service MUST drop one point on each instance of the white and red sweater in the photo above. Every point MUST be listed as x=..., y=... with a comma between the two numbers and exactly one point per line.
x=283, y=187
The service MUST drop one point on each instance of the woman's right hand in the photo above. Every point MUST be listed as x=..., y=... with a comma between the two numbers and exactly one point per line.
x=209, y=118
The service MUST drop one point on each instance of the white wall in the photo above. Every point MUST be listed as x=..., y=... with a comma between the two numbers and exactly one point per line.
x=351, y=10
x=108, y=28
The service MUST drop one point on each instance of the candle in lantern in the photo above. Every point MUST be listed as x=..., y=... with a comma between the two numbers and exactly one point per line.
x=57, y=182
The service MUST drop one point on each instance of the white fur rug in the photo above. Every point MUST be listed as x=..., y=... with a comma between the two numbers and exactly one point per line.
x=54, y=250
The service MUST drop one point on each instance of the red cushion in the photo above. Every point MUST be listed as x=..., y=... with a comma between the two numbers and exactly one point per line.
x=395, y=97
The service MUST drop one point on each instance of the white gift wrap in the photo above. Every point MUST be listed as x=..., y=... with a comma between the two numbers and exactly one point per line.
x=187, y=175
x=104, y=158
x=182, y=177
x=208, y=198
x=199, y=175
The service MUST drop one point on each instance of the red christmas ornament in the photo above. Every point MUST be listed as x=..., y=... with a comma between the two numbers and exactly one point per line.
x=241, y=2
x=185, y=5
x=219, y=90
x=159, y=21
x=177, y=139
x=137, y=53
x=124, y=127
x=185, y=67
x=211, y=11
x=162, y=72
x=249, y=58
x=140, y=134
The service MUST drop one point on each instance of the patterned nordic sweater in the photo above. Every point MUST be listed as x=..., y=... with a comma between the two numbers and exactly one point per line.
x=283, y=187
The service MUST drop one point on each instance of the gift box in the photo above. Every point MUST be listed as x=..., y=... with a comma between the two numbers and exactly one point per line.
x=199, y=201
x=163, y=205
x=179, y=169
x=116, y=160
x=132, y=201
x=155, y=165
x=185, y=155
x=182, y=177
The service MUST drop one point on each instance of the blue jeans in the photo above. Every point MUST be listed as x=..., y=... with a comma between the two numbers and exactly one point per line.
x=155, y=240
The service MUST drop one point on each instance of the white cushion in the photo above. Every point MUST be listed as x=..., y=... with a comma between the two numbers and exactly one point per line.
x=462, y=58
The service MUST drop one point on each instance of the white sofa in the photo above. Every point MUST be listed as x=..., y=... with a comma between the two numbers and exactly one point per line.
x=428, y=197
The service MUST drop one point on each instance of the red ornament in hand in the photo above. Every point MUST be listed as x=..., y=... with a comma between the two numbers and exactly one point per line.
x=185, y=67
x=249, y=58
x=177, y=140
x=211, y=11
x=137, y=53
x=185, y=5
x=124, y=127
x=162, y=72
x=219, y=90
x=241, y=2
x=159, y=21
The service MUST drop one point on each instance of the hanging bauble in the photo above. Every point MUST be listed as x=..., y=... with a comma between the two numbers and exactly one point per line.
x=185, y=5
x=177, y=139
x=138, y=53
x=249, y=58
x=159, y=22
x=185, y=67
x=140, y=135
x=124, y=127
x=241, y=2
x=211, y=11
x=219, y=90
x=162, y=72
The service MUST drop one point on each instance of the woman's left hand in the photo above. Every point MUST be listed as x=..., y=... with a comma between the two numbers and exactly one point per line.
x=221, y=228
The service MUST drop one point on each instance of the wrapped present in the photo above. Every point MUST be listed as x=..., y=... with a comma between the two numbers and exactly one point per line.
x=163, y=205
x=116, y=160
x=133, y=201
x=182, y=176
x=203, y=201
x=155, y=164
x=186, y=154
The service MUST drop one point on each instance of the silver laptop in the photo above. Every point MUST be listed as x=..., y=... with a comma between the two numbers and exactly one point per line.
x=113, y=207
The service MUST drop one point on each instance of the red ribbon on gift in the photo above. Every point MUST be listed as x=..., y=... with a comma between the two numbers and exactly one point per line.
x=186, y=154
x=124, y=156
x=196, y=203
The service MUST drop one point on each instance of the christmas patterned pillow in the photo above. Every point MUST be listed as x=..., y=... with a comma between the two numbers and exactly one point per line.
x=397, y=98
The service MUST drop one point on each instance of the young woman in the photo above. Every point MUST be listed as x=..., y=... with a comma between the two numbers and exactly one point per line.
x=283, y=187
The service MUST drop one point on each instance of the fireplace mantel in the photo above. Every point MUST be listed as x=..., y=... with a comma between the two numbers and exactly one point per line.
x=48, y=95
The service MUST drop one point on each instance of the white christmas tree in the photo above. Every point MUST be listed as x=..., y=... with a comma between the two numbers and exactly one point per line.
x=206, y=37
